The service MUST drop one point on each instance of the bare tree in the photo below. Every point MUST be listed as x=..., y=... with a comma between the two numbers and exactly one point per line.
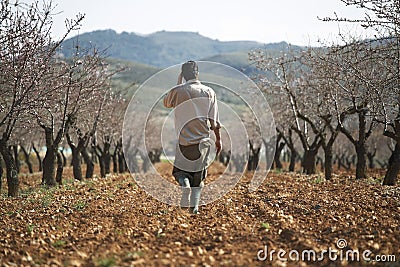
x=383, y=73
x=36, y=146
x=76, y=84
x=284, y=78
x=1, y=172
x=108, y=131
x=25, y=143
x=96, y=78
x=254, y=139
x=26, y=52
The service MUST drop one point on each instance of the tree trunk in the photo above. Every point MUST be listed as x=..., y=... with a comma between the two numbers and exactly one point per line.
x=49, y=159
x=1, y=172
x=361, y=166
x=277, y=156
x=115, y=162
x=348, y=160
x=361, y=146
x=94, y=155
x=371, y=156
x=89, y=163
x=16, y=158
x=154, y=155
x=77, y=152
x=328, y=162
x=293, y=152
x=49, y=166
x=393, y=168
x=107, y=163
x=292, y=164
x=27, y=159
x=126, y=163
x=60, y=167
x=102, y=166
x=269, y=154
x=106, y=157
x=360, y=143
x=38, y=157
x=278, y=150
x=76, y=163
x=11, y=169
x=64, y=157
x=52, y=145
x=309, y=160
x=339, y=162
x=254, y=157
x=121, y=162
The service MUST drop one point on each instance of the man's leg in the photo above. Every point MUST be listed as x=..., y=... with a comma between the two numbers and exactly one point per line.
x=185, y=183
x=195, y=198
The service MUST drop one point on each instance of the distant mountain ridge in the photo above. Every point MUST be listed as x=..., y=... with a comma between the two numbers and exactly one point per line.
x=164, y=48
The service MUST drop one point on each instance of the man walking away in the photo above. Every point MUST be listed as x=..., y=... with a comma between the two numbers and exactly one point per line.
x=196, y=113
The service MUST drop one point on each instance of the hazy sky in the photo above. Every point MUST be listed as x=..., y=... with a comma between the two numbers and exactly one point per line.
x=267, y=21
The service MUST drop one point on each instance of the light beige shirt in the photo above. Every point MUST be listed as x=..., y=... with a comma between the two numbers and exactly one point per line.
x=194, y=106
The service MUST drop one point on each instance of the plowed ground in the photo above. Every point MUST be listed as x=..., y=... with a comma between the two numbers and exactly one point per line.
x=113, y=222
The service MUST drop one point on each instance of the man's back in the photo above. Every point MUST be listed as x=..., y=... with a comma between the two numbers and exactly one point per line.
x=194, y=105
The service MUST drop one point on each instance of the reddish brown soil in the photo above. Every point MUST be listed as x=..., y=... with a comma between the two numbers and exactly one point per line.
x=113, y=222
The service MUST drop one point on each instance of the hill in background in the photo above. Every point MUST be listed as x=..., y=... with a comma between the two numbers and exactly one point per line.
x=160, y=49
x=144, y=55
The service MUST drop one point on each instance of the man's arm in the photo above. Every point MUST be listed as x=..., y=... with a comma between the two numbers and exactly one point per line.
x=218, y=143
x=214, y=121
x=168, y=99
x=180, y=78
x=215, y=126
